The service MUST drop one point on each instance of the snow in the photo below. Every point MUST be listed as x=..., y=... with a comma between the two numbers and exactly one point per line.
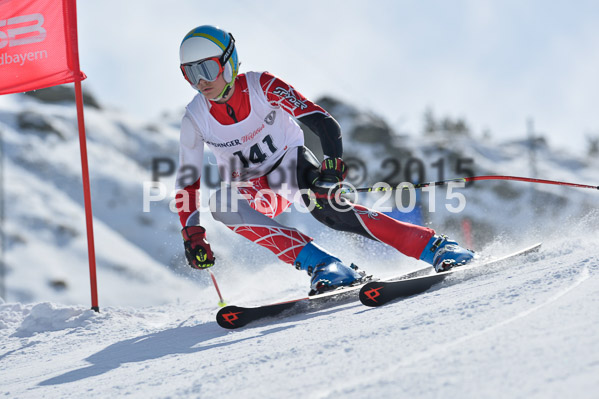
x=522, y=329
x=526, y=329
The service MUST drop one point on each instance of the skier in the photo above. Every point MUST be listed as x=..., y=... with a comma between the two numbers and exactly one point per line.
x=247, y=120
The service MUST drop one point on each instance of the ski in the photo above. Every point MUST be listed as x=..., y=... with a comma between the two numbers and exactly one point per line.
x=232, y=316
x=377, y=293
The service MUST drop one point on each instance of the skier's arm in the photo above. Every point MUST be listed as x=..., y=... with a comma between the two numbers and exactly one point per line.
x=191, y=156
x=279, y=93
x=329, y=131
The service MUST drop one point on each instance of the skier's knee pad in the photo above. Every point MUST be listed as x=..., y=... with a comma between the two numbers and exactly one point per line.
x=339, y=217
x=222, y=209
x=233, y=209
x=215, y=199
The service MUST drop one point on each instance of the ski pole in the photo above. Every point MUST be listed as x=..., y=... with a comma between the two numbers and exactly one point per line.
x=464, y=179
x=221, y=301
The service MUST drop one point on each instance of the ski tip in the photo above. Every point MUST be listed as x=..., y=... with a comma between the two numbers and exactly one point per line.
x=231, y=317
x=370, y=294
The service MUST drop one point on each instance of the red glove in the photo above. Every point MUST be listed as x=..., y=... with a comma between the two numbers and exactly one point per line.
x=197, y=250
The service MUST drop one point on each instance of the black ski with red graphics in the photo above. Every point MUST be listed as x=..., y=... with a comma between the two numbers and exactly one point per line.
x=377, y=293
x=232, y=316
x=237, y=316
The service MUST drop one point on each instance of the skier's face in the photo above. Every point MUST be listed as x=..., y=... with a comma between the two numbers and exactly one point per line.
x=212, y=90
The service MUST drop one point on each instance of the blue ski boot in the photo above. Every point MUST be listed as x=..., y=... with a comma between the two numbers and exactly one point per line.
x=326, y=270
x=443, y=253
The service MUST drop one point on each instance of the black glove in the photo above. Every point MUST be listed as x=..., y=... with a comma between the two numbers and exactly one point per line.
x=197, y=250
x=332, y=171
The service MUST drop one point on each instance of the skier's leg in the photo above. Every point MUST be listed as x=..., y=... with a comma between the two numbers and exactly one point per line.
x=249, y=210
x=244, y=213
x=409, y=239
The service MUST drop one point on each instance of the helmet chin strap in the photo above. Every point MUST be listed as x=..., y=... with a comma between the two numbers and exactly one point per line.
x=224, y=93
x=224, y=58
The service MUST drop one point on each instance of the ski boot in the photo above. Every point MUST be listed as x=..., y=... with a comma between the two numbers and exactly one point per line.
x=443, y=253
x=327, y=272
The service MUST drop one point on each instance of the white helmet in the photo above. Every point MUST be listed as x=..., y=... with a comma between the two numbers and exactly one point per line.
x=206, y=42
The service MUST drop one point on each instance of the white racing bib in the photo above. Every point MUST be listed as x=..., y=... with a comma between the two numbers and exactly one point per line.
x=251, y=147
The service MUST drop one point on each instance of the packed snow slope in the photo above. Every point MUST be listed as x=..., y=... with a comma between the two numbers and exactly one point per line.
x=527, y=329
x=522, y=329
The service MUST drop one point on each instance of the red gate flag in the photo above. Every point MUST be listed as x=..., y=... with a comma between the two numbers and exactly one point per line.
x=38, y=44
x=38, y=49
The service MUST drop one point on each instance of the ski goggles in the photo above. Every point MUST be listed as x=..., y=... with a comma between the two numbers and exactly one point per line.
x=208, y=69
